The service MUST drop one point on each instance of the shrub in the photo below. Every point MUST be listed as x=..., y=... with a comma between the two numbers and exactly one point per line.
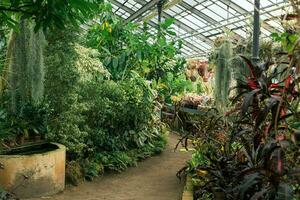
x=92, y=114
x=68, y=66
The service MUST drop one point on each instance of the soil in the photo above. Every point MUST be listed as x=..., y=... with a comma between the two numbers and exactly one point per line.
x=153, y=179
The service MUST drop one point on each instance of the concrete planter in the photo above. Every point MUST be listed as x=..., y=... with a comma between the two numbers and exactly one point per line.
x=33, y=171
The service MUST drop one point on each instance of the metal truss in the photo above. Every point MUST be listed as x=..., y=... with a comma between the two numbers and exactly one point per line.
x=199, y=22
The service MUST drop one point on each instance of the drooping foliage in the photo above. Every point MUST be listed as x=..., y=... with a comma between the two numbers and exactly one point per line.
x=23, y=114
x=25, y=67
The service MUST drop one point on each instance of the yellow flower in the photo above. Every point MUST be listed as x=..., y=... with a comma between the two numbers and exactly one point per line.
x=222, y=149
x=175, y=98
x=202, y=172
x=106, y=24
x=110, y=29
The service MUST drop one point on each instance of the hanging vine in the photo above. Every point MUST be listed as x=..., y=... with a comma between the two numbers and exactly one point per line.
x=25, y=66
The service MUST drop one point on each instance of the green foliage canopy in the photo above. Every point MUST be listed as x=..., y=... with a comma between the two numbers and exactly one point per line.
x=47, y=13
x=126, y=47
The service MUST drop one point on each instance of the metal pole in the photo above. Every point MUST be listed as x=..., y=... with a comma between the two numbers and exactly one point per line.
x=256, y=32
x=159, y=10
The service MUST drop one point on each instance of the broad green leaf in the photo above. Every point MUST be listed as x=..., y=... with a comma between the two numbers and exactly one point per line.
x=168, y=23
x=106, y=50
x=172, y=33
x=115, y=62
x=139, y=55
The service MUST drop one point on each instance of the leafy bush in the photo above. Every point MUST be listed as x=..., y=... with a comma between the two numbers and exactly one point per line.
x=68, y=66
x=120, y=113
x=6, y=196
x=92, y=114
x=121, y=160
x=92, y=169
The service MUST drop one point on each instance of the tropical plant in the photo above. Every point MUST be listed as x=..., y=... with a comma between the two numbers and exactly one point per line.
x=127, y=46
x=30, y=123
x=47, y=13
x=258, y=160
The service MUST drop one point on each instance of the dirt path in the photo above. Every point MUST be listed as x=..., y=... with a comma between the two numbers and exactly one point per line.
x=152, y=179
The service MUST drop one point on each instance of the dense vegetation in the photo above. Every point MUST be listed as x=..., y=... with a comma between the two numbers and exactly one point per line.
x=64, y=88
x=75, y=73
x=249, y=149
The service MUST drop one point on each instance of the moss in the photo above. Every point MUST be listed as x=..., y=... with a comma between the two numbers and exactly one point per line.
x=26, y=66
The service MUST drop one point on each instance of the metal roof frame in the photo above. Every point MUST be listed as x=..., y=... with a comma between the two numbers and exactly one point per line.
x=199, y=22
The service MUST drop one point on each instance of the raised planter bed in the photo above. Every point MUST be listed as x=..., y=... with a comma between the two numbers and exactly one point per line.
x=33, y=170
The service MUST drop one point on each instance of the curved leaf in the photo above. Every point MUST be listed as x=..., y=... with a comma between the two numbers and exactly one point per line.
x=248, y=100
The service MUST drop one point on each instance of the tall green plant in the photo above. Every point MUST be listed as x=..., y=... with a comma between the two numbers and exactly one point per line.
x=223, y=74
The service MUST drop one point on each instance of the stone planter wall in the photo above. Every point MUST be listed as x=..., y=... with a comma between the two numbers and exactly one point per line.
x=34, y=175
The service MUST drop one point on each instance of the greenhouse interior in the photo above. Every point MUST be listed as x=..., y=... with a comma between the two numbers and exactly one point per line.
x=150, y=99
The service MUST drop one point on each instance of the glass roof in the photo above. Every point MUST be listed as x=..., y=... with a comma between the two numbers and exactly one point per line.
x=199, y=22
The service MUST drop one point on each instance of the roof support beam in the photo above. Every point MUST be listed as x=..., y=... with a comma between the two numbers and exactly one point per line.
x=197, y=12
x=244, y=12
x=190, y=30
x=210, y=28
x=130, y=11
x=123, y=7
x=143, y=9
x=182, y=26
x=235, y=7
